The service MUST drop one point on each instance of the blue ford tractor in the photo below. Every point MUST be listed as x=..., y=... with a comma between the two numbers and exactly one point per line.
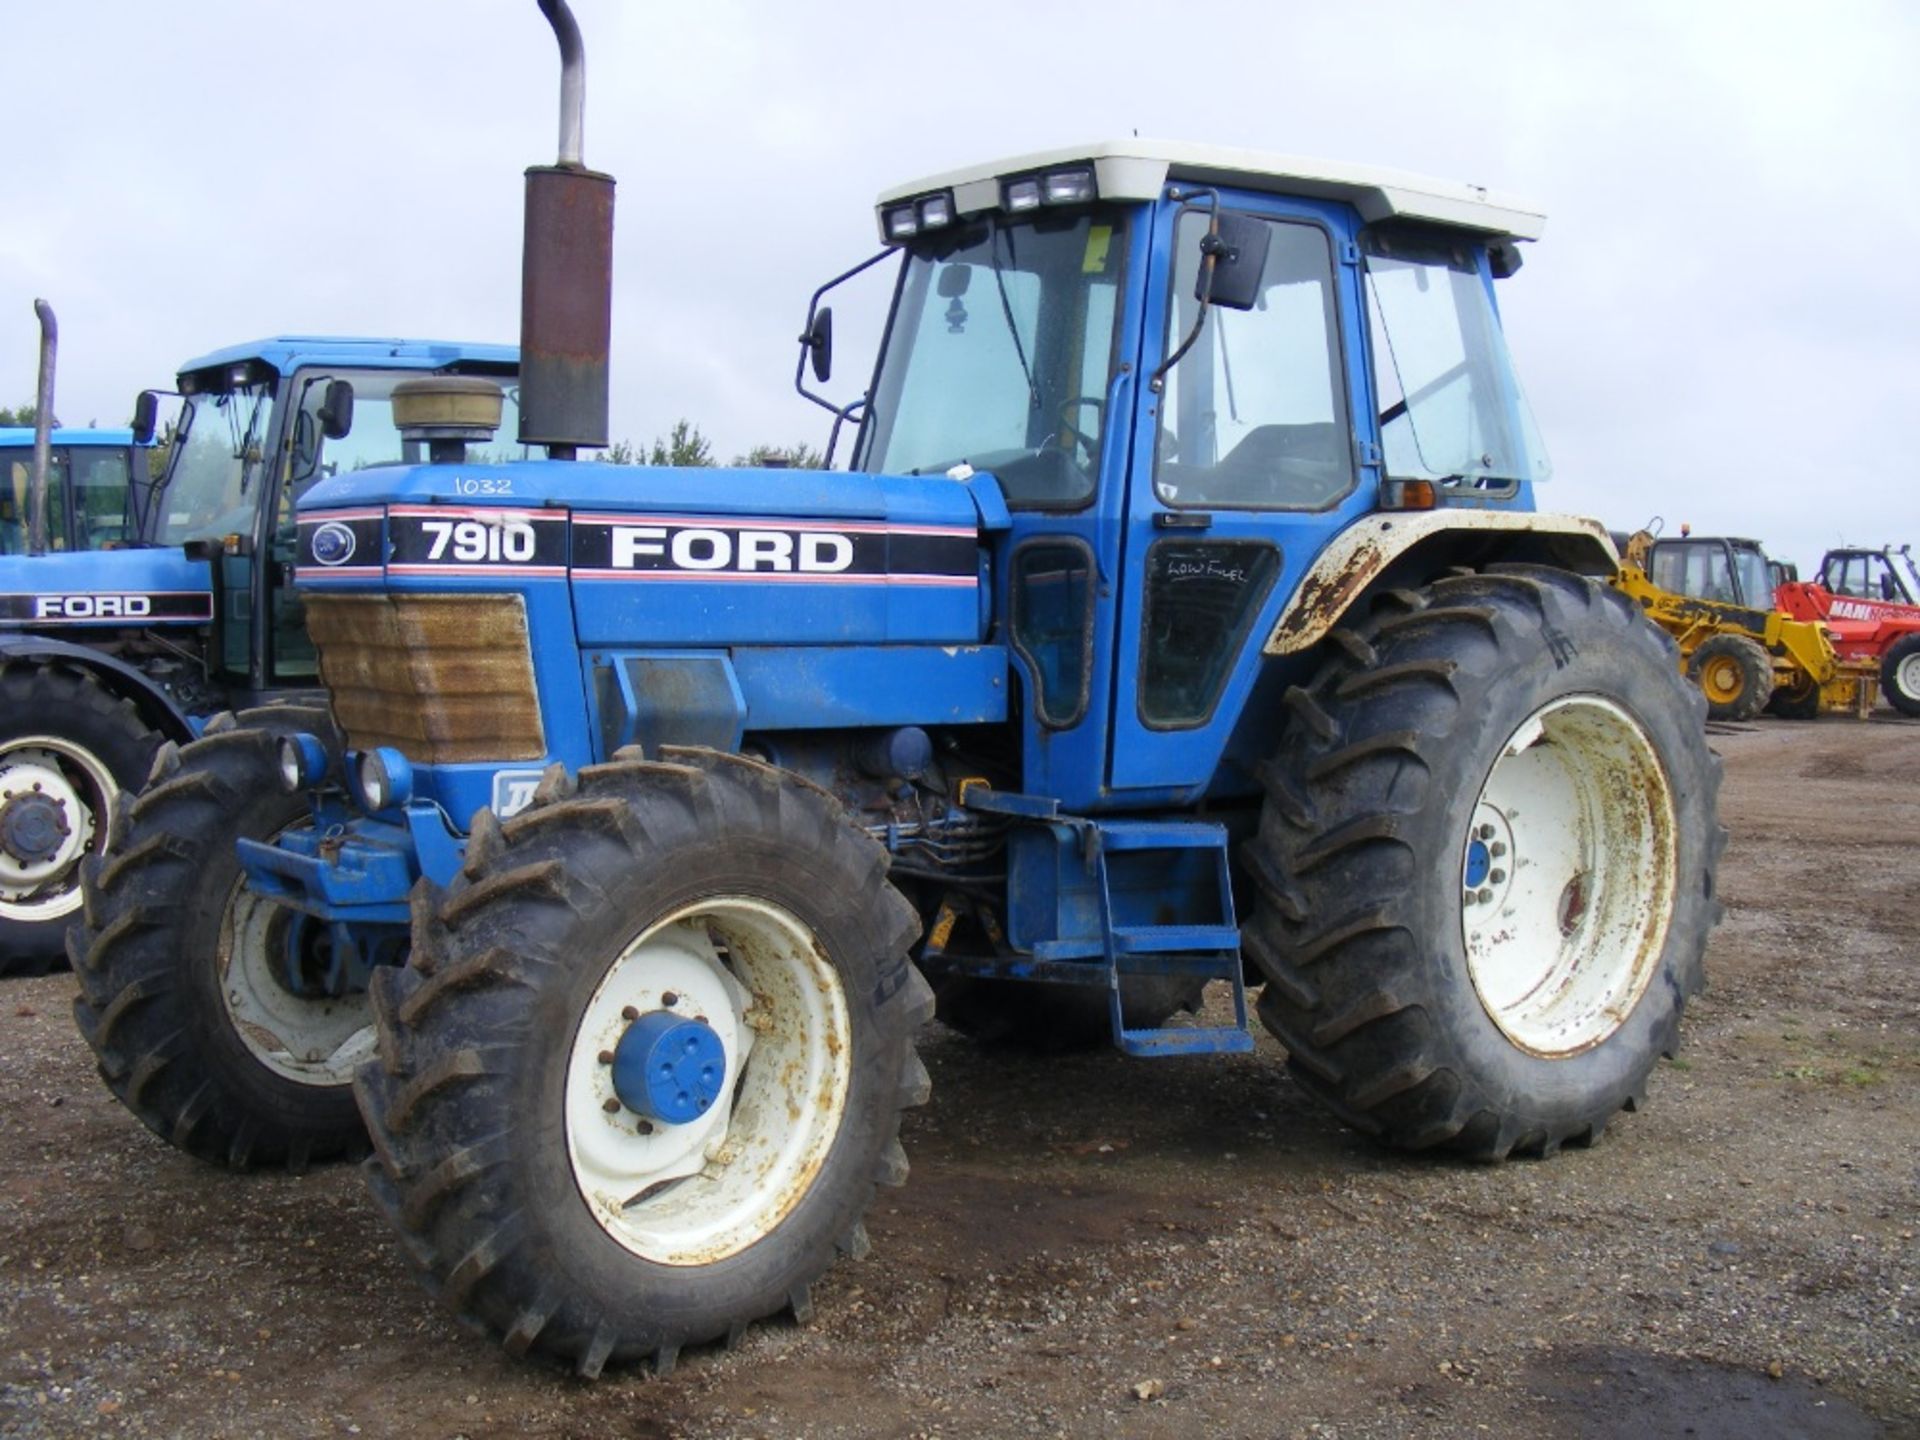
x=106, y=653
x=1184, y=619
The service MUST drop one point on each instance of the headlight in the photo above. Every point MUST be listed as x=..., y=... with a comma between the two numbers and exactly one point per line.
x=303, y=763
x=903, y=223
x=1068, y=187
x=385, y=779
x=935, y=211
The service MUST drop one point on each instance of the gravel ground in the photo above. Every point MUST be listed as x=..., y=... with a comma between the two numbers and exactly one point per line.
x=1102, y=1246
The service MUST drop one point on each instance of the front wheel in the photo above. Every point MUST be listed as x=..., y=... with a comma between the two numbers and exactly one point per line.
x=1735, y=675
x=1900, y=675
x=1484, y=870
x=646, y=1066
x=226, y=1022
x=68, y=747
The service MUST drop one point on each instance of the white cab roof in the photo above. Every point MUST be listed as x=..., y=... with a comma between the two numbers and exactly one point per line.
x=1142, y=169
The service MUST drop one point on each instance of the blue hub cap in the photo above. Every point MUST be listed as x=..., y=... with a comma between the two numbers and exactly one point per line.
x=669, y=1068
x=32, y=827
x=1479, y=862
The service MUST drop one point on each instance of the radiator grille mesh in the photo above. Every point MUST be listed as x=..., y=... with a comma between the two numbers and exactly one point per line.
x=441, y=678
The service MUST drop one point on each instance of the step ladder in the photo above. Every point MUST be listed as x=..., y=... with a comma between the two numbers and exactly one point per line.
x=1211, y=952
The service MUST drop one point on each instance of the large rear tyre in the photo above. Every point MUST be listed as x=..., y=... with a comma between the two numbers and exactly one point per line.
x=205, y=1003
x=1055, y=1019
x=68, y=747
x=1484, y=874
x=1900, y=674
x=710, y=909
x=1735, y=675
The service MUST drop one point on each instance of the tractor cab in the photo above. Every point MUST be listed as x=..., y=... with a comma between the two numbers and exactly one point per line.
x=1862, y=574
x=1186, y=370
x=1719, y=570
x=259, y=424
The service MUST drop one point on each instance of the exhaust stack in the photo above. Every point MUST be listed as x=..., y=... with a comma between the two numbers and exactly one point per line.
x=42, y=431
x=566, y=275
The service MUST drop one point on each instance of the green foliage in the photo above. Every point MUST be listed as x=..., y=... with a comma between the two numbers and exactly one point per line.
x=21, y=414
x=792, y=457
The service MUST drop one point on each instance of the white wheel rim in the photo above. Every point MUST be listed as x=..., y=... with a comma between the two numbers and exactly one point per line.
x=695, y=1193
x=1566, y=923
x=77, y=783
x=1907, y=676
x=307, y=1040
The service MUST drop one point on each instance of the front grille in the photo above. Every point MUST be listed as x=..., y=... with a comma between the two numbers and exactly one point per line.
x=441, y=678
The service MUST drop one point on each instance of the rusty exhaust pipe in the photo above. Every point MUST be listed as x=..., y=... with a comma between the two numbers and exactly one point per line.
x=566, y=275
x=42, y=431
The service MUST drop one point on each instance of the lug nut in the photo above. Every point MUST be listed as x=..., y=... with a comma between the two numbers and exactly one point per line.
x=645, y=1127
x=670, y=999
x=1486, y=832
x=611, y=1105
x=1486, y=895
x=1496, y=848
x=629, y=1013
x=606, y=1057
x=1496, y=876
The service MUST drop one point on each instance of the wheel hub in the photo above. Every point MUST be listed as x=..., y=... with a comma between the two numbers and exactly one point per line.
x=46, y=824
x=669, y=1068
x=1490, y=857
x=32, y=827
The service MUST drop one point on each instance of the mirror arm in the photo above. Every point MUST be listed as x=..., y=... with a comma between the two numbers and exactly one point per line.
x=840, y=413
x=1211, y=248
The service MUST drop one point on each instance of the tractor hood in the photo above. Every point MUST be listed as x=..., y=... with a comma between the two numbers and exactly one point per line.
x=104, y=588
x=668, y=556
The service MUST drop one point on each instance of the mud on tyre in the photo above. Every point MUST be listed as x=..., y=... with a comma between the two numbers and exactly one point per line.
x=711, y=900
x=190, y=982
x=1484, y=873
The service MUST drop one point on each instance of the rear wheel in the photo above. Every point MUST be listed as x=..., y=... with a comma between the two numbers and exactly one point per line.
x=1900, y=674
x=1735, y=675
x=647, y=1063
x=1484, y=871
x=224, y=1021
x=68, y=747
x=1797, y=700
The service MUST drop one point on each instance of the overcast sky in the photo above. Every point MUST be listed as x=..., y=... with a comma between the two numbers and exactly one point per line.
x=1721, y=325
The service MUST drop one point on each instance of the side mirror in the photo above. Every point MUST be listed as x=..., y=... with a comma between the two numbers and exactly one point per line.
x=336, y=410
x=146, y=417
x=1239, y=260
x=818, y=343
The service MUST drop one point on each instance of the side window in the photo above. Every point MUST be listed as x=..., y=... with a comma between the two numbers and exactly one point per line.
x=16, y=471
x=1053, y=624
x=99, y=497
x=1201, y=597
x=1255, y=414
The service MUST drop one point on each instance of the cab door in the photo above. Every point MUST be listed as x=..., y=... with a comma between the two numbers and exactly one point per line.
x=1247, y=460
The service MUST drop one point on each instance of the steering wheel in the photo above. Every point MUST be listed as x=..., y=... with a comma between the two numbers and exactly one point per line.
x=1081, y=439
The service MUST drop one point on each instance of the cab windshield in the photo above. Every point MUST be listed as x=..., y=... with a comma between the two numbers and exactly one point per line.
x=219, y=458
x=1756, y=581
x=998, y=356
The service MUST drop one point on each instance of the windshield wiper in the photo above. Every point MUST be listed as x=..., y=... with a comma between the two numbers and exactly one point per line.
x=1006, y=306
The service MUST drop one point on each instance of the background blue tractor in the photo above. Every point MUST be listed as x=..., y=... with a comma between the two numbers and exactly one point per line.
x=107, y=653
x=1183, y=618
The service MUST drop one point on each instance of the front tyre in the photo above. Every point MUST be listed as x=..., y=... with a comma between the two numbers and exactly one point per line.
x=638, y=1083
x=216, y=1015
x=1484, y=873
x=1900, y=674
x=1735, y=675
x=68, y=747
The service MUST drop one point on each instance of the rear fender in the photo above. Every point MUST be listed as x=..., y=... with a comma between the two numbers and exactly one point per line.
x=156, y=707
x=1419, y=545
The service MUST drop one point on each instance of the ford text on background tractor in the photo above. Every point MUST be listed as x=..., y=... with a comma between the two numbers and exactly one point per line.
x=106, y=654
x=1184, y=617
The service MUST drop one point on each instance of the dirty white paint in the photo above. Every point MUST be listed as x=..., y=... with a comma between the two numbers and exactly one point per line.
x=696, y=1193
x=1565, y=930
